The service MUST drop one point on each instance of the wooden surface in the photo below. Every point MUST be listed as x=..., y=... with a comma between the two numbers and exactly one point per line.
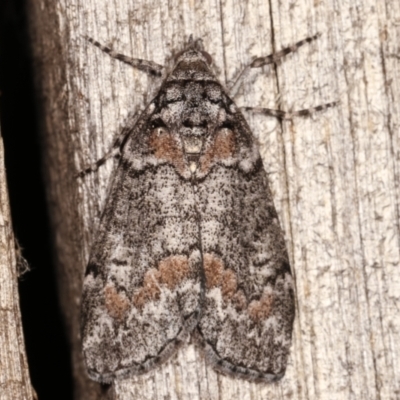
x=15, y=382
x=335, y=177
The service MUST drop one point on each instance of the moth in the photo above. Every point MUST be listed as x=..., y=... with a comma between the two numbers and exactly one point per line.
x=189, y=242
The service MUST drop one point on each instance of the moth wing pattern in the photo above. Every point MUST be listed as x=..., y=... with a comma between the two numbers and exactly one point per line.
x=189, y=241
x=247, y=316
x=141, y=288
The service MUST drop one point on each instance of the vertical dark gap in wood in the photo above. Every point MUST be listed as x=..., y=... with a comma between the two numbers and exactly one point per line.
x=47, y=348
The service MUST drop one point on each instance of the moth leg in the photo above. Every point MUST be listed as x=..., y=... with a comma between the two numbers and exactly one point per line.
x=287, y=115
x=149, y=67
x=270, y=59
x=115, y=149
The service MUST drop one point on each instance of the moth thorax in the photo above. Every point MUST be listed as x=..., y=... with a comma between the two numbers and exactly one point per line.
x=192, y=146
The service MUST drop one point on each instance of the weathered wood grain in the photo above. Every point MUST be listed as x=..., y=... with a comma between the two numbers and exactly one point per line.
x=15, y=382
x=335, y=177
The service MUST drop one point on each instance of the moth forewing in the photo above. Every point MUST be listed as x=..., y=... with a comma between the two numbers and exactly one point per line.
x=189, y=241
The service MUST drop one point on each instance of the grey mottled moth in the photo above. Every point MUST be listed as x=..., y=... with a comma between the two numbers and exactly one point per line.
x=189, y=242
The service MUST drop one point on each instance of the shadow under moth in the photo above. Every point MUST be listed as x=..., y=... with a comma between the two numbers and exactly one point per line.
x=189, y=242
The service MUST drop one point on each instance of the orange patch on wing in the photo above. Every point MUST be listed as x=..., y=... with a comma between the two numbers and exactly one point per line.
x=150, y=290
x=218, y=276
x=213, y=268
x=229, y=284
x=171, y=272
x=261, y=309
x=223, y=147
x=224, y=144
x=226, y=279
x=166, y=148
x=116, y=304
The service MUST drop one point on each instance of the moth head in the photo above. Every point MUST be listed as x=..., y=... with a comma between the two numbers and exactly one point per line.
x=193, y=47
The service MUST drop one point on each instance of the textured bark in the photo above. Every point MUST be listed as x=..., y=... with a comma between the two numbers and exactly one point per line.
x=334, y=177
x=15, y=383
